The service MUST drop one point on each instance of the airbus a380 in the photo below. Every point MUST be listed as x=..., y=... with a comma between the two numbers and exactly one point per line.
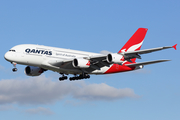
x=40, y=58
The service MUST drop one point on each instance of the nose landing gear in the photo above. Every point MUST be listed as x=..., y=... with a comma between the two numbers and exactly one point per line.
x=14, y=69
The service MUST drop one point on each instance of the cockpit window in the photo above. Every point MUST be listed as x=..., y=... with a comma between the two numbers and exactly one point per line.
x=12, y=50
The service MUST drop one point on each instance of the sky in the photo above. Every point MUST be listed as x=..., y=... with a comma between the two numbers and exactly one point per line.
x=152, y=93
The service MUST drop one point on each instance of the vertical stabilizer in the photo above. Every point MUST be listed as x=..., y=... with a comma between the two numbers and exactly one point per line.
x=135, y=42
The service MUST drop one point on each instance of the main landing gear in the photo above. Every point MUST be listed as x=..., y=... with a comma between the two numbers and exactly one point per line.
x=79, y=77
x=14, y=69
x=63, y=77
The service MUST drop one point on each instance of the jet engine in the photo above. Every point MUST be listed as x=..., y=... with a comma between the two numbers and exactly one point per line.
x=114, y=58
x=33, y=71
x=81, y=63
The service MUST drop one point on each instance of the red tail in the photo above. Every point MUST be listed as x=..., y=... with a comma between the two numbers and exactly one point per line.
x=135, y=42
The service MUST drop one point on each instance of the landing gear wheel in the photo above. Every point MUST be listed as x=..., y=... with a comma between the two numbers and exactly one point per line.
x=81, y=76
x=60, y=79
x=87, y=76
x=14, y=69
x=63, y=78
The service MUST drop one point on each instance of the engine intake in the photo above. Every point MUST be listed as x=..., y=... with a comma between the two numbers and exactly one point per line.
x=33, y=71
x=114, y=58
x=81, y=63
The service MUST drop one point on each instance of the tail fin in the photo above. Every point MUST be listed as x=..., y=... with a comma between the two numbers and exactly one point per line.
x=135, y=42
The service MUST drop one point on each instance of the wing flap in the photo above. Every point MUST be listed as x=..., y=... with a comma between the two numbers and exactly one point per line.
x=98, y=57
x=145, y=63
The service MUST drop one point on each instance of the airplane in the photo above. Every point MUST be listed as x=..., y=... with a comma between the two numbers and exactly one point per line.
x=39, y=59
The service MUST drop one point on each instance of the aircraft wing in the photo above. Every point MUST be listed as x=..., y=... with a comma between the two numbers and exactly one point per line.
x=148, y=50
x=145, y=63
x=96, y=61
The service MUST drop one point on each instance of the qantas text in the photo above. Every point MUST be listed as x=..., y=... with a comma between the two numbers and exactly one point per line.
x=38, y=51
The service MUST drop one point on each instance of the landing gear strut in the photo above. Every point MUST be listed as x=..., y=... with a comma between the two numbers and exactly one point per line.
x=14, y=69
x=63, y=77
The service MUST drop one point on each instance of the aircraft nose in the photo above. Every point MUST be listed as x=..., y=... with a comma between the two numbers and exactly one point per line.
x=7, y=56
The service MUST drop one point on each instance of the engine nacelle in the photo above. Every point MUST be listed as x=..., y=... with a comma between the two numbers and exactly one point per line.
x=33, y=71
x=114, y=58
x=81, y=63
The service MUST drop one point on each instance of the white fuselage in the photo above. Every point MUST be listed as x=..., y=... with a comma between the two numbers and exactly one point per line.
x=41, y=56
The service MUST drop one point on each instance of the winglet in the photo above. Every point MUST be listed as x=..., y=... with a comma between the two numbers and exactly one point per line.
x=174, y=46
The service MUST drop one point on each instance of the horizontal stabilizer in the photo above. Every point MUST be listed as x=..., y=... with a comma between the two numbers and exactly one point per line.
x=145, y=63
